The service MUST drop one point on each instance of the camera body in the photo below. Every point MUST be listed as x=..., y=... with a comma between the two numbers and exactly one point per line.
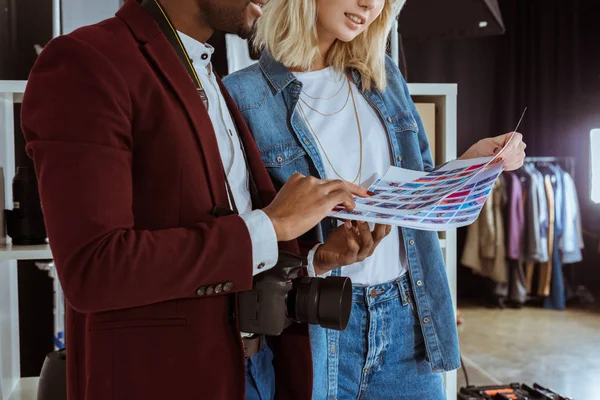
x=281, y=297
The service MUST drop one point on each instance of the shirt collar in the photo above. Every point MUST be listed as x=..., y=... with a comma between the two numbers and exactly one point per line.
x=200, y=53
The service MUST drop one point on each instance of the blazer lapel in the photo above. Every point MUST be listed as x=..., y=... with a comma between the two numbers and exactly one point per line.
x=161, y=55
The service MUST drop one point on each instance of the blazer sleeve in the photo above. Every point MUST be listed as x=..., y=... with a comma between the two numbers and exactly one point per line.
x=77, y=121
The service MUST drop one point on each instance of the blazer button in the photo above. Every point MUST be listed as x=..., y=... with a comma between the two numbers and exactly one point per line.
x=210, y=290
x=227, y=286
x=201, y=291
x=218, y=288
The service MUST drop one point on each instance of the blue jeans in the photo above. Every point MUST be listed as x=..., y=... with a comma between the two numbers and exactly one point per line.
x=381, y=355
x=260, y=375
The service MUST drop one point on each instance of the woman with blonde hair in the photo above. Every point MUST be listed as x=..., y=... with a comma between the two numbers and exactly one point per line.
x=325, y=100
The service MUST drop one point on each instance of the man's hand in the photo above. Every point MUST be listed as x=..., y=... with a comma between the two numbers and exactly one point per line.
x=305, y=200
x=350, y=243
x=513, y=156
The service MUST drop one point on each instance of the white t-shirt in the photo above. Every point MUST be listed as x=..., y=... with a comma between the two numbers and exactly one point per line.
x=338, y=136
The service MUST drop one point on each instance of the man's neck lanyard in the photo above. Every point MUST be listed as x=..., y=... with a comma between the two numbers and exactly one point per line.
x=159, y=14
x=156, y=10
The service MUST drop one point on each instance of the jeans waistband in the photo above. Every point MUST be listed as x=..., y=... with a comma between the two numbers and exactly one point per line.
x=383, y=292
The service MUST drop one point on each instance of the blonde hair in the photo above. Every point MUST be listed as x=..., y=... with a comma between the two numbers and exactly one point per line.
x=288, y=31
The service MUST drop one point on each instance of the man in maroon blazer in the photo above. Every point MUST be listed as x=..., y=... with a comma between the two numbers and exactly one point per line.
x=131, y=165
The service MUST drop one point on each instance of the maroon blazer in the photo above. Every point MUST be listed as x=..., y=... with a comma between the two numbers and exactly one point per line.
x=129, y=171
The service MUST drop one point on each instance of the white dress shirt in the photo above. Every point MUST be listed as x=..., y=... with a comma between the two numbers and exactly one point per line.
x=338, y=136
x=262, y=234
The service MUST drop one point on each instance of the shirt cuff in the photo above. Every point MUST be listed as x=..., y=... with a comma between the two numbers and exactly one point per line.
x=311, y=266
x=265, y=250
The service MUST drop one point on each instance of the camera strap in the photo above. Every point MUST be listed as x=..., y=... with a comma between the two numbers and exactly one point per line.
x=157, y=11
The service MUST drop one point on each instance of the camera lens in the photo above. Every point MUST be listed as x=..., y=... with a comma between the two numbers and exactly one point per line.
x=326, y=302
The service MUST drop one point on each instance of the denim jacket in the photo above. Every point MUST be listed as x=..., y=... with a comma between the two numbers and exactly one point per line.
x=267, y=94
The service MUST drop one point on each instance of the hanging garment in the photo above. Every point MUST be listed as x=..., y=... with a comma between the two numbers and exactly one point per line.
x=546, y=267
x=485, y=251
x=515, y=229
x=536, y=222
x=557, y=298
x=571, y=242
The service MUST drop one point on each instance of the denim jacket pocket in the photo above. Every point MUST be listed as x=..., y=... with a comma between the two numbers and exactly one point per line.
x=404, y=122
x=281, y=155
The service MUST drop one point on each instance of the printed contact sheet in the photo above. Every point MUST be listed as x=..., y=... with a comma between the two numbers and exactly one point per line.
x=449, y=197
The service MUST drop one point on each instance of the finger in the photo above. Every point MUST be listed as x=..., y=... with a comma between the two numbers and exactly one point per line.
x=297, y=176
x=379, y=233
x=351, y=242
x=366, y=241
x=388, y=229
x=356, y=189
x=340, y=197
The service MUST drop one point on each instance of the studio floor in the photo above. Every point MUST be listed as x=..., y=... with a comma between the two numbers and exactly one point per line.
x=557, y=349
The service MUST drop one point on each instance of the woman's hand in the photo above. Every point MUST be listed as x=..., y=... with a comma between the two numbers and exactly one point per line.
x=513, y=156
x=347, y=244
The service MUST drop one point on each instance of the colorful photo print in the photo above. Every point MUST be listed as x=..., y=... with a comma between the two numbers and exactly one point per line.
x=429, y=204
x=435, y=221
x=486, y=180
x=469, y=204
x=456, y=171
x=462, y=220
x=355, y=212
x=478, y=195
x=399, y=192
x=406, y=218
x=465, y=174
x=469, y=186
x=422, y=214
x=437, y=173
x=425, y=179
x=452, y=201
x=379, y=191
x=467, y=212
x=391, y=184
x=412, y=185
x=474, y=167
x=384, y=216
x=386, y=197
x=419, y=192
x=368, y=202
x=463, y=193
x=390, y=206
x=427, y=198
x=448, y=208
x=411, y=206
x=443, y=214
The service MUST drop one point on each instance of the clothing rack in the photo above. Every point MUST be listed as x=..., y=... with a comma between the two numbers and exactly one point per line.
x=568, y=163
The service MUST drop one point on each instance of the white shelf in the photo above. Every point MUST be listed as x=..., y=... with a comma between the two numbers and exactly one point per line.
x=34, y=252
x=26, y=389
x=12, y=86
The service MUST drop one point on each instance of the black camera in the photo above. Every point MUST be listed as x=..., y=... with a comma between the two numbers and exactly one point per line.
x=281, y=297
x=25, y=222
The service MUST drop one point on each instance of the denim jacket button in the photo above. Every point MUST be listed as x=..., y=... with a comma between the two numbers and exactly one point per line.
x=419, y=283
x=389, y=119
x=279, y=159
x=412, y=242
x=426, y=320
x=399, y=158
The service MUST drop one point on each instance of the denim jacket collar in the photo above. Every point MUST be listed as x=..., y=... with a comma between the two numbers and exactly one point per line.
x=279, y=76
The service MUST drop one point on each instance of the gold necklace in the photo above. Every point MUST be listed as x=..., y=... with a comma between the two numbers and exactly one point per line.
x=321, y=98
x=333, y=113
x=359, y=173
